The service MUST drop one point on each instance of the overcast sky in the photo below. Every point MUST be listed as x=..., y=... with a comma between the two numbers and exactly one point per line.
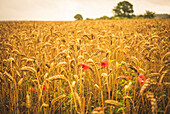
x=66, y=9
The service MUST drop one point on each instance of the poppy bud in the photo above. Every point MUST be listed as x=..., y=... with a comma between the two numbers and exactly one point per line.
x=31, y=89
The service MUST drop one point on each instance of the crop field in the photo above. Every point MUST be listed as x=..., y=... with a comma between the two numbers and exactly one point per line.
x=85, y=67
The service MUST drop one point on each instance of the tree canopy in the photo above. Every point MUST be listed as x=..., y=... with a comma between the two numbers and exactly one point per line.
x=149, y=14
x=124, y=9
x=78, y=17
x=104, y=17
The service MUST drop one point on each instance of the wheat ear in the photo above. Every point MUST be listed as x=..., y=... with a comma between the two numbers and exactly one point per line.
x=151, y=98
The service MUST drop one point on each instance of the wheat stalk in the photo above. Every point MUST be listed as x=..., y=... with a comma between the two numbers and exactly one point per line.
x=145, y=86
x=151, y=98
x=28, y=101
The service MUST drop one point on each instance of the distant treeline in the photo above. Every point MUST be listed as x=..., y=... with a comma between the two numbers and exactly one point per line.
x=159, y=16
x=162, y=16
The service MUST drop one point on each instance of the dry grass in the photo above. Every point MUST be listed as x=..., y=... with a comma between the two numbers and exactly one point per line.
x=55, y=67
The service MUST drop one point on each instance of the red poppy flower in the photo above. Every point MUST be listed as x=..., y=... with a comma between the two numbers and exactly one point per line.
x=31, y=58
x=141, y=79
x=129, y=78
x=31, y=89
x=104, y=63
x=34, y=107
x=82, y=51
x=43, y=87
x=84, y=66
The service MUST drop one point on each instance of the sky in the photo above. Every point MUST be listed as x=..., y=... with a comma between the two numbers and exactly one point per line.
x=65, y=10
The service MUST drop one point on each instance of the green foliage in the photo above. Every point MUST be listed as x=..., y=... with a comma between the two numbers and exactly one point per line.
x=89, y=19
x=118, y=18
x=78, y=17
x=138, y=17
x=124, y=9
x=97, y=19
x=104, y=17
x=149, y=14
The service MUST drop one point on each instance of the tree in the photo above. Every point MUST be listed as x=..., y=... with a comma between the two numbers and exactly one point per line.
x=78, y=17
x=89, y=19
x=149, y=14
x=124, y=9
x=104, y=17
x=140, y=16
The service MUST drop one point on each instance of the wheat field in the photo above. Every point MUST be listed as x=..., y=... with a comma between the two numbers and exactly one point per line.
x=85, y=67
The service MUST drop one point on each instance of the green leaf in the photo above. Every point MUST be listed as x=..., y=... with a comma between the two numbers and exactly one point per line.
x=51, y=91
x=121, y=109
x=70, y=95
x=56, y=94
